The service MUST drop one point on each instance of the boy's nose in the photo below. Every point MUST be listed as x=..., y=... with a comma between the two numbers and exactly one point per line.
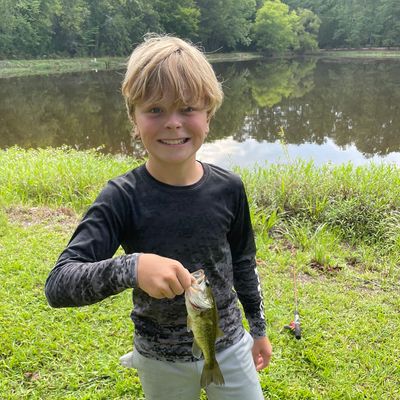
x=173, y=121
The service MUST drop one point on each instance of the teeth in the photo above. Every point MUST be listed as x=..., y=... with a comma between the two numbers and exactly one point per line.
x=173, y=141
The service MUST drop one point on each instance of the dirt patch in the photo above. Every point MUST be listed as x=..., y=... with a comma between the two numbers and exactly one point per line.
x=327, y=269
x=303, y=277
x=30, y=216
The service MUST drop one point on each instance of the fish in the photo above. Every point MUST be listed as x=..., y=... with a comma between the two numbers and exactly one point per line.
x=202, y=321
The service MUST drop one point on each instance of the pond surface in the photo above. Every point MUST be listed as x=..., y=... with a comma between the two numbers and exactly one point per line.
x=273, y=111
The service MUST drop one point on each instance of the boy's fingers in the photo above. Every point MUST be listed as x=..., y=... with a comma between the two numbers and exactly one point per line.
x=262, y=363
x=184, y=278
x=176, y=287
x=168, y=293
x=162, y=277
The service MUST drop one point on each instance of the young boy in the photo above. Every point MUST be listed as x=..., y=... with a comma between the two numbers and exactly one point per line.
x=172, y=216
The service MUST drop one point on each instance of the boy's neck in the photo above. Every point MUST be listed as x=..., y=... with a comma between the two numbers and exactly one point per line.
x=176, y=175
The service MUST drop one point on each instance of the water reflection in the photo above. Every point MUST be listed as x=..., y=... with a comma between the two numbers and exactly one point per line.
x=329, y=107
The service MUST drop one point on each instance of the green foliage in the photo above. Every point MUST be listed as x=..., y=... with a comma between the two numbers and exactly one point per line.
x=389, y=18
x=86, y=27
x=68, y=25
x=113, y=27
x=43, y=28
x=225, y=24
x=8, y=23
x=355, y=23
x=274, y=27
x=181, y=17
x=56, y=176
x=32, y=26
x=3, y=221
x=359, y=203
x=278, y=30
x=307, y=28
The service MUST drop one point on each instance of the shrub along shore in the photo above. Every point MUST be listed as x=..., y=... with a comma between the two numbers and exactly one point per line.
x=336, y=226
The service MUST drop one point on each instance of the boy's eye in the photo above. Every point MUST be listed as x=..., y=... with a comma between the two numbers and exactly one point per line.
x=188, y=109
x=155, y=110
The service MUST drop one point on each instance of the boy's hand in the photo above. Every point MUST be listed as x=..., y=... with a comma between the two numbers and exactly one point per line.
x=162, y=277
x=262, y=351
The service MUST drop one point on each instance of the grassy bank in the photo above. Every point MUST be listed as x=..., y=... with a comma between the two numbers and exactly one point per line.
x=366, y=54
x=14, y=68
x=338, y=226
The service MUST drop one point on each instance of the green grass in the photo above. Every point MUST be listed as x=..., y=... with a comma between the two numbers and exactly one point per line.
x=367, y=54
x=348, y=280
x=14, y=68
x=57, y=177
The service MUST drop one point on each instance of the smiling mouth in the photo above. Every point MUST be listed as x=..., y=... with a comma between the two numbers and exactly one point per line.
x=172, y=142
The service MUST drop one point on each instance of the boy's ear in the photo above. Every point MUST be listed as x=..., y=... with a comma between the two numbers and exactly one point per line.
x=135, y=132
x=208, y=125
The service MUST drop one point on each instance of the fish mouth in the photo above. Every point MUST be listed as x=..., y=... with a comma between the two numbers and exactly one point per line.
x=199, y=276
x=196, y=307
x=198, y=299
x=197, y=294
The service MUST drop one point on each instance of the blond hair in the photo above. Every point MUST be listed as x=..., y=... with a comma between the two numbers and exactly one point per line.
x=167, y=65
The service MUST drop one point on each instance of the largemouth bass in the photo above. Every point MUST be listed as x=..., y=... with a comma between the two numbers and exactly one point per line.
x=203, y=322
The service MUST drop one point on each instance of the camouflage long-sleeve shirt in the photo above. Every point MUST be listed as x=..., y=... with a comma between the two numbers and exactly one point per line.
x=204, y=225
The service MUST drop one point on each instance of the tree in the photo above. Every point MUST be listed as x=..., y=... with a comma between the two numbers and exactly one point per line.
x=275, y=28
x=32, y=27
x=179, y=17
x=355, y=22
x=388, y=13
x=225, y=24
x=68, y=26
x=115, y=26
x=7, y=26
x=306, y=28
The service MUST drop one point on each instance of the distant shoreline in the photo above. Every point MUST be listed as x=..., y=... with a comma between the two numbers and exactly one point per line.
x=367, y=53
x=19, y=68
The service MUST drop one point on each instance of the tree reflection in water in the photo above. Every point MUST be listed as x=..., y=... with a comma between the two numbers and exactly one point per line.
x=348, y=103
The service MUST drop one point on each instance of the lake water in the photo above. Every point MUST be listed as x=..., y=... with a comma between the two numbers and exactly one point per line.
x=274, y=111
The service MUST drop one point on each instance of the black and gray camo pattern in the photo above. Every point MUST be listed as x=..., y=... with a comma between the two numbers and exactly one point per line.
x=205, y=225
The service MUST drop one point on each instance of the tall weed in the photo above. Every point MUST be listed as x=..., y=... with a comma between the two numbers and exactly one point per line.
x=54, y=177
x=363, y=203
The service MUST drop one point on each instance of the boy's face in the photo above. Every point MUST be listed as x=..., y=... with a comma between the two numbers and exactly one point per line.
x=171, y=134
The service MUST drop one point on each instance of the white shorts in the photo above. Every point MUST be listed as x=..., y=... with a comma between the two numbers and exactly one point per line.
x=163, y=380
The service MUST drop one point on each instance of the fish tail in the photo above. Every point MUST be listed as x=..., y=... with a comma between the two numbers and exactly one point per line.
x=211, y=374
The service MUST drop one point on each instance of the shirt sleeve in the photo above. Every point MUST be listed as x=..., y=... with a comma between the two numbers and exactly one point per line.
x=245, y=275
x=86, y=271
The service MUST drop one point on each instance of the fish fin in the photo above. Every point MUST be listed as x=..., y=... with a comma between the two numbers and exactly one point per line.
x=196, y=350
x=220, y=333
x=211, y=375
x=189, y=324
